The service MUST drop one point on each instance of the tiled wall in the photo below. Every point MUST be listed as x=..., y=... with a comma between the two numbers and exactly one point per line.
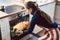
x=49, y=9
x=12, y=8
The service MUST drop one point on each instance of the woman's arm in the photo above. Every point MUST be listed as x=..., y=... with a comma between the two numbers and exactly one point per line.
x=32, y=25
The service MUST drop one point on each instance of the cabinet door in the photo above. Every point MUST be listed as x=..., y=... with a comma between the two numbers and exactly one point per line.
x=57, y=13
x=0, y=35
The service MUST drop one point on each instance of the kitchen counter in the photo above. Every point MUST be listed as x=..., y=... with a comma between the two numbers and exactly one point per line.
x=2, y=14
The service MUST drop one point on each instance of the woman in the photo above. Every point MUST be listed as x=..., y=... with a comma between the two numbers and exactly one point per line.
x=41, y=19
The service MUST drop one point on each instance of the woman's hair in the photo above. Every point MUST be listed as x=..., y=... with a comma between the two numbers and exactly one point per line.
x=32, y=5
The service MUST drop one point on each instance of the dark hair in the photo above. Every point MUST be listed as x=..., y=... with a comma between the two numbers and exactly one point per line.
x=32, y=5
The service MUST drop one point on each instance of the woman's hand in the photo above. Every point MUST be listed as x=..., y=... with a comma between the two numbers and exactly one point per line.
x=18, y=32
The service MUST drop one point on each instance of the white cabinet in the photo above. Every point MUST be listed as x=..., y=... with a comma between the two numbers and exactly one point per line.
x=5, y=28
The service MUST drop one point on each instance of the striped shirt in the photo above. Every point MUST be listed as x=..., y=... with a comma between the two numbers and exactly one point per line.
x=51, y=34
